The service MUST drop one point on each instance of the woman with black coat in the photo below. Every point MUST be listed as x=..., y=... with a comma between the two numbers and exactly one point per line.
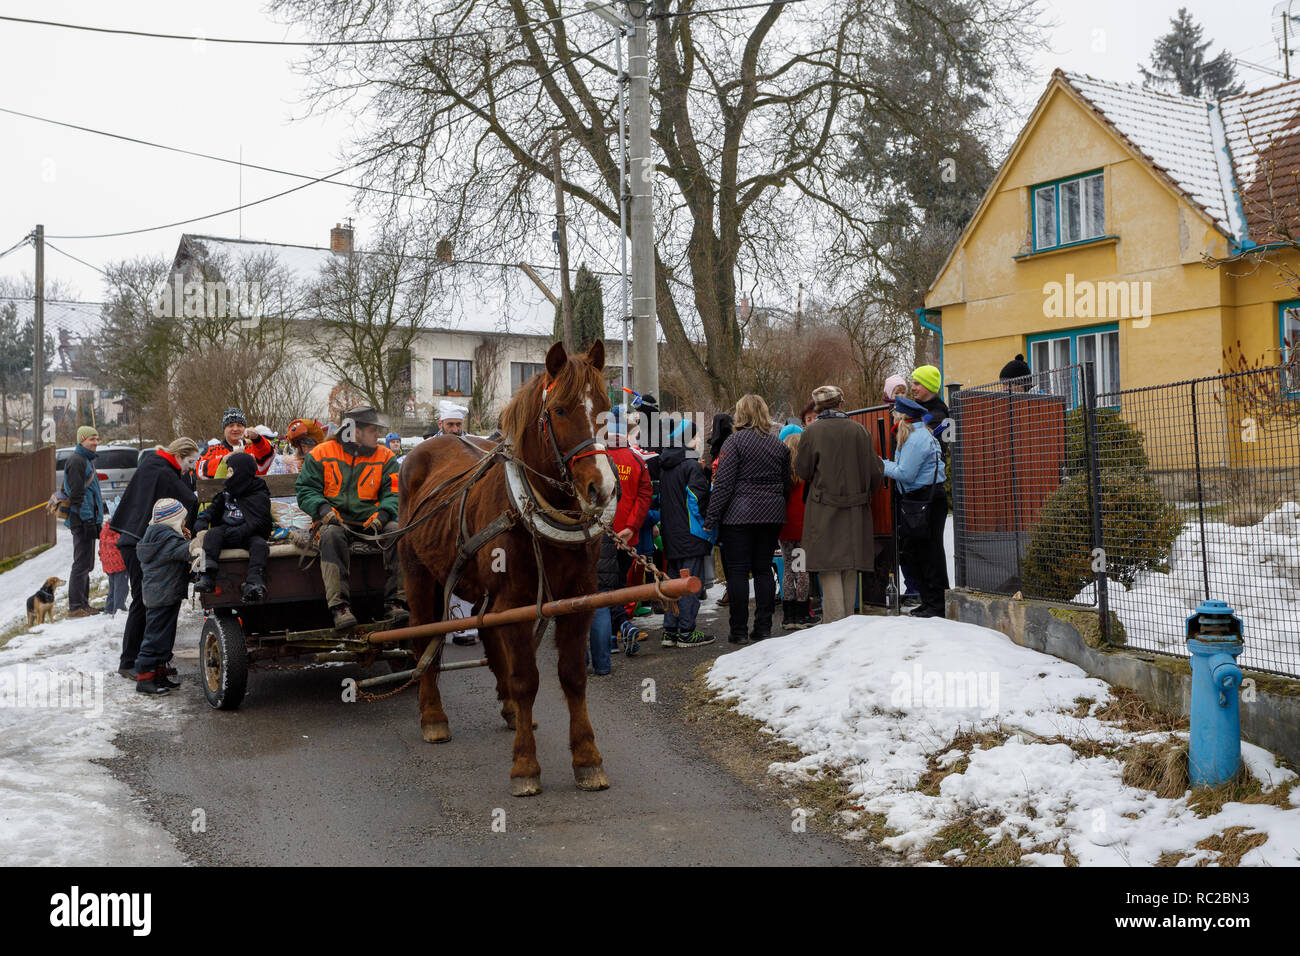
x=747, y=506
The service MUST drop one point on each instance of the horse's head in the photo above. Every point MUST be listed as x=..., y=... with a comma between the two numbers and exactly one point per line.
x=557, y=420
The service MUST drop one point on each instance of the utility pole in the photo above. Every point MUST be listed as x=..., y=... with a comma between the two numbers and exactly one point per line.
x=645, y=325
x=38, y=347
x=1286, y=42
x=562, y=241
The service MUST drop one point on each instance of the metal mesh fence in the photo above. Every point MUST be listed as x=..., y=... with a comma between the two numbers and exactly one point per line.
x=1199, y=490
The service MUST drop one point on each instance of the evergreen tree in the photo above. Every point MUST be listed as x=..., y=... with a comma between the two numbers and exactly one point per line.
x=1178, y=63
x=588, y=302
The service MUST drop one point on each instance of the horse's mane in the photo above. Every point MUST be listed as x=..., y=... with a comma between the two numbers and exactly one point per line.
x=524, y=409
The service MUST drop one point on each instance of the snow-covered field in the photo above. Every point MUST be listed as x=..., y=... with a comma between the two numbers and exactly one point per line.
x=1256, y=569
x=874, y=698
x=61, y=704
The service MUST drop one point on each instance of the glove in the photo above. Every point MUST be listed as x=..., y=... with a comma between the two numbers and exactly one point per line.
x=330, y=516
x=375, y=523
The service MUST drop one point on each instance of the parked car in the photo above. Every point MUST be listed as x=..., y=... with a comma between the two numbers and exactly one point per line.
x=114, y=465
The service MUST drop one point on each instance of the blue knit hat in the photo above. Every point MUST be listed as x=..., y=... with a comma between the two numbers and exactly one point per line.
x=789, y=430
x=910, y=408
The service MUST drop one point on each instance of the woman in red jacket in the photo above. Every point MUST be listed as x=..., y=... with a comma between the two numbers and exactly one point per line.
x=795, y=614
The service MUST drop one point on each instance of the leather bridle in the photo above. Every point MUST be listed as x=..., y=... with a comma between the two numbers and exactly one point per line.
x=546, y=429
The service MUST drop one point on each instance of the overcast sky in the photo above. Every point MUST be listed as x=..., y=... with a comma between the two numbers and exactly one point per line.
x=218, y=99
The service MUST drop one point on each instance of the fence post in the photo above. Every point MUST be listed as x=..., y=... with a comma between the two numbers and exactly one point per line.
x=958, y=502
x=1200, y=493
x=1094, y=490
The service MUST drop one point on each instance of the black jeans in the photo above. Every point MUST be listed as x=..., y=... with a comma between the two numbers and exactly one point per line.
x=84, y=539
x=133, y=634
x=237, y=536
x=748, y=549
x=923, y=554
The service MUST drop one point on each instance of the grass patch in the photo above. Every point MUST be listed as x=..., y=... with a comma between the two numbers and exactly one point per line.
x=1245, y=787
x=1231, y=845
x=8, y=564
x=966, y=741
x=1137, y=716
x=1160, y=768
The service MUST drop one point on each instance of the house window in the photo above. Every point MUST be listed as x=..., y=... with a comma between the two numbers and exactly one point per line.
x=1069, y=211
x=521, y=372
x=1052, y=352
x=1288, y=334
x=451, y=377
x=104, y=393
x=60, y=393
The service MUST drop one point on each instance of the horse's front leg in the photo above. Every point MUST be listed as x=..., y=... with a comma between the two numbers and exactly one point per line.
x=424, y=595
x=571, y=635
x=526, y=772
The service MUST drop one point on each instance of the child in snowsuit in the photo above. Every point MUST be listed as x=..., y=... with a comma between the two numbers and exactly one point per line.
x=110, y=559
x=164, y=554
x=238, y=517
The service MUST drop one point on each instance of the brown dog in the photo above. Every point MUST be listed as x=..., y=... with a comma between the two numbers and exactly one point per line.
x=40, y=606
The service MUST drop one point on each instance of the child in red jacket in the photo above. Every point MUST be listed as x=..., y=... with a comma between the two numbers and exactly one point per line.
x=110, y=559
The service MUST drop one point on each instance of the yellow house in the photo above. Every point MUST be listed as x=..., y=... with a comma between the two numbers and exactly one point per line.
x=1135, y=230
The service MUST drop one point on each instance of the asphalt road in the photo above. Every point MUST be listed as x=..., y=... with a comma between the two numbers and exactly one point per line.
x=297, y=777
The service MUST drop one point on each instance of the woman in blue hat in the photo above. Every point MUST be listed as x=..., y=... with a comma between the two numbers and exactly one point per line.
x=917, y=469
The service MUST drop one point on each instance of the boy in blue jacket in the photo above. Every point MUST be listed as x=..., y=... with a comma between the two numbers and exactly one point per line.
x=164, y=554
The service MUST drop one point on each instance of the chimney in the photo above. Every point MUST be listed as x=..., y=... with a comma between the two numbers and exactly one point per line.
x=341, y=239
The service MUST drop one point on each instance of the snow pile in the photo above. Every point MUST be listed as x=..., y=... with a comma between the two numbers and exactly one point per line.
x=1256, y=569
x=875, y=698
x=61, y=704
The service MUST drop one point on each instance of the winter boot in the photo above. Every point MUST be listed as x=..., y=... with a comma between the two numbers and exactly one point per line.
x=397, y=613
x=806, y=618
x=790, y=616
x=146, y=682
x=254, y=592
x=344, y=619
x=206, y=583
x=165, y=676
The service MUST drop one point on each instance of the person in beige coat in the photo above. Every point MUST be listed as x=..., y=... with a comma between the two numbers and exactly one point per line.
x=838, y=463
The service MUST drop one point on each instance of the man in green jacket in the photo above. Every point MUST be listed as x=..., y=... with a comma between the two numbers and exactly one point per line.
x=349, y=485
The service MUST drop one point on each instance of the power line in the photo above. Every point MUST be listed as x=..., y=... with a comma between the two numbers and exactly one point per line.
x=668, y=14
x=380, y=41
x=17, y=245
x=328, y=176
x=62, y=252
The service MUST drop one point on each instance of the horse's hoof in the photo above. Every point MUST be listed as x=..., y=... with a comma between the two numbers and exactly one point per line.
x=525, y=786
x=509, y=719
x=591, y=778
x=436, y=733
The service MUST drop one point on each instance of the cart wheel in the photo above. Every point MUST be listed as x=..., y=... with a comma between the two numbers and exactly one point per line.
x=223, y=659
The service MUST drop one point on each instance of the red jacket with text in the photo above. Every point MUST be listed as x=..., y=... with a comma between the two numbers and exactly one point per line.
x=257, y=445
x=634, y=486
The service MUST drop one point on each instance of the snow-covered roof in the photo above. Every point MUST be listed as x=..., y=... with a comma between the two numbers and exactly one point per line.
x=1184, y=138
x=481, y=302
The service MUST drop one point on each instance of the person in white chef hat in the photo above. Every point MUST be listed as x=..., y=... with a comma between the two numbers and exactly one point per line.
x=451, y=418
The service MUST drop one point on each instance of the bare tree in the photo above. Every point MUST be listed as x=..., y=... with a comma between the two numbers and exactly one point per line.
x=750, y=113
x=370, y=307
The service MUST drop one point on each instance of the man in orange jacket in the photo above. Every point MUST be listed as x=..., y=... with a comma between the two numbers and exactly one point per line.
x=236, y=437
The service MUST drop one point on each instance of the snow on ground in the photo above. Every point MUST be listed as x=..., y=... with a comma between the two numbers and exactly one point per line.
x=61, y=704
x=1256, y=569
x=873, y=698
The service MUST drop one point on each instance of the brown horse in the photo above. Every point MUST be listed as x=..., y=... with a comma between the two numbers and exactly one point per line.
x=552, y=425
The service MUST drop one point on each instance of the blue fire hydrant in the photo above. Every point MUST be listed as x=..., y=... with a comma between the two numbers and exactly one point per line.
x=1214, y=639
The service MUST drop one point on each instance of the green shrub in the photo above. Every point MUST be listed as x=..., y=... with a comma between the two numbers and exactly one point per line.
x=1119, y=444
x=1139, y=529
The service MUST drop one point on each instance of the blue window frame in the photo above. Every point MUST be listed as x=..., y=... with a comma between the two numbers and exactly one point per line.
x=1288, y=337
x=1051, y=352
x=1066, y=212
